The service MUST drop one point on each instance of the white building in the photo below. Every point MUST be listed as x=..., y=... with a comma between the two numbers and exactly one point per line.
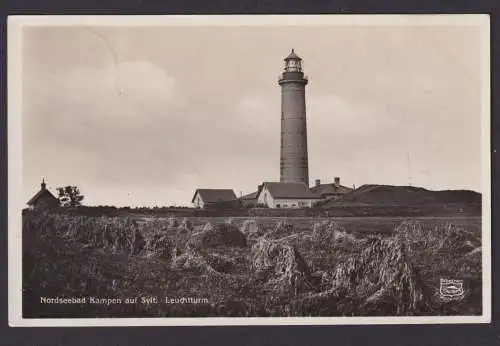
x=286, y=195
x=204, y=198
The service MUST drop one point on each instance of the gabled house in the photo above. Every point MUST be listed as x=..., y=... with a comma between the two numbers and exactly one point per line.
x=332, y=190
x=205, y=198
x=249, y=200
x=43, y=199
x=286, y=195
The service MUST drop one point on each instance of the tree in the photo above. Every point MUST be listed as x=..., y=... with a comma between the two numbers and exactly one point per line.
x=70, y=196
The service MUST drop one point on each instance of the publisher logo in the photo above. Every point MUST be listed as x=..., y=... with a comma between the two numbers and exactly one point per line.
x=451, y=290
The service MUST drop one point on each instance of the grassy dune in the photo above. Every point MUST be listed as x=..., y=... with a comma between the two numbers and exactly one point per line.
x=248, y=267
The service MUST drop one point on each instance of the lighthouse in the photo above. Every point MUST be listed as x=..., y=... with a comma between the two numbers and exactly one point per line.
x=293, y=155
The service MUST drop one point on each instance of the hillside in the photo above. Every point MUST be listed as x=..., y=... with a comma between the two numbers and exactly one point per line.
x=405, y=195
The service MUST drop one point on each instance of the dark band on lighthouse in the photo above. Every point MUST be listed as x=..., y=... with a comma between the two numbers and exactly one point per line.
x=294, y=157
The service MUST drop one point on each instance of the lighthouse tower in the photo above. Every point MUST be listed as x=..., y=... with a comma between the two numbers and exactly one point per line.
x=294, y=159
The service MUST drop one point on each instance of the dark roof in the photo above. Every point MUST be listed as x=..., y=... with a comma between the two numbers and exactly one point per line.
x=215, y=195
x=292, y=55
x=43, y=193
x=252, y=195
x=289, y=190
x=331, y=189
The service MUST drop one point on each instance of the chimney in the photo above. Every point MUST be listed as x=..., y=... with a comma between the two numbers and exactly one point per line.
x=259, y=187
x=44, y=186
x=318, y=182
x=337, y=181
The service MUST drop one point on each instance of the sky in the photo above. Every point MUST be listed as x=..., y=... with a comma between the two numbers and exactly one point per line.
x=143, y=116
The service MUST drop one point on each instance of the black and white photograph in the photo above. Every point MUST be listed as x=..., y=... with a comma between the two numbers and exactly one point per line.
x=218, y=170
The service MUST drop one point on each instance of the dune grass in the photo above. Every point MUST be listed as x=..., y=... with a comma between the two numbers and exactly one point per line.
x=247, y=267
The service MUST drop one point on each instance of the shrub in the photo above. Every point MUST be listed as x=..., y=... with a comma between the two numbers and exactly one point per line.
x=287, y=269
x=445, y=237
x=186, y=225
x=282, y=228
x=172, y=222
x=161, y=246
x=330, y=232
x=383, y=277
x=252, y=230
x=216, y=235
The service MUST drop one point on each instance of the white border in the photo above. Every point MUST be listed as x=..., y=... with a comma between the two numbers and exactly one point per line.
x=15, y=25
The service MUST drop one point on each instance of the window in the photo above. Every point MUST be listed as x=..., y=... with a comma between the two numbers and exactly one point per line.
x=277, y=206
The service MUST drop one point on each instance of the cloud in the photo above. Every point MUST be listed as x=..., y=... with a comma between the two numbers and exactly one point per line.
x=336, y=115
x=113, y=98
x=144, y=84
x=257, y=114
x=117, y=112
x=126, y=93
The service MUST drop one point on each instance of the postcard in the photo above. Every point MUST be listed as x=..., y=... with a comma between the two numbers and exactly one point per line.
x=249, y=170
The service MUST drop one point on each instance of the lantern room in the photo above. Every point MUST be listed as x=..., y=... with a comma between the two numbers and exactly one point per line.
x=293, y=63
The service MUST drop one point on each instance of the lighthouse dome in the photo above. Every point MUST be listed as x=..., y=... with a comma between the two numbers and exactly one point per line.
x=293, y=56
